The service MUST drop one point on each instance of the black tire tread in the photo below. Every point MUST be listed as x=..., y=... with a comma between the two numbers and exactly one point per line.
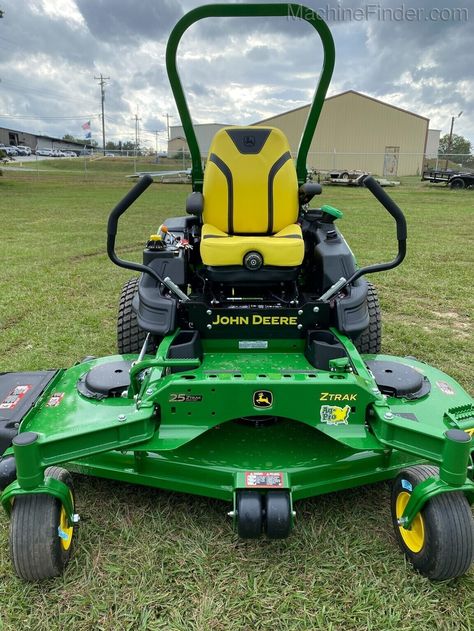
x=370, y=340
x=34, y=547
x=278, y=515
x=130, y=338
x=249, y=514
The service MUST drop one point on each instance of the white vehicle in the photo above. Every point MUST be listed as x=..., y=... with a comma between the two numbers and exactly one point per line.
x=44, y=152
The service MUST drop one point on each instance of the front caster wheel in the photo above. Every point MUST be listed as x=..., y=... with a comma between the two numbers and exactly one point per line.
x=440, y=543
x=249, y=514
x=40, y=533
x=278, y=520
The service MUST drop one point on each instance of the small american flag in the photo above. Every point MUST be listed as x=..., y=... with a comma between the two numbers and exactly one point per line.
x=86, y=125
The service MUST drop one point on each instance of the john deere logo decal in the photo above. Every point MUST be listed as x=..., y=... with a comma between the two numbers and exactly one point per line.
x=335, y=415
x=263, y=399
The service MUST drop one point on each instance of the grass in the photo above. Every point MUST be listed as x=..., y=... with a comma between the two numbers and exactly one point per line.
x=157, y=560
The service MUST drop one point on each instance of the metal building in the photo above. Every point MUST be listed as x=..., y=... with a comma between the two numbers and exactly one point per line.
x=356, y=131
x=39, y=141
x=204, y=134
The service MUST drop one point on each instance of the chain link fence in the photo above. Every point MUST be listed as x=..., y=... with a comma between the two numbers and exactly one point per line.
x=391, y=163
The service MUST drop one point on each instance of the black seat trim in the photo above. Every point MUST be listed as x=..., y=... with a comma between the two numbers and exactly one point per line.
x=271, y=177
x=222, y=166
x=249, y=140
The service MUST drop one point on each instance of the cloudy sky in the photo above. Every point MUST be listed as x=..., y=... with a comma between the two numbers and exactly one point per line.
x=416, y=54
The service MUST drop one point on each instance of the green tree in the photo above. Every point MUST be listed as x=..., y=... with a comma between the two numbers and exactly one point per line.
x=459, y=145
x=3, y=155
x=82, y=141
x=128, y=146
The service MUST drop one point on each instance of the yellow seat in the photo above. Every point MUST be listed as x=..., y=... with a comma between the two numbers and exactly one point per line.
x=217, y=246
x=250, y=195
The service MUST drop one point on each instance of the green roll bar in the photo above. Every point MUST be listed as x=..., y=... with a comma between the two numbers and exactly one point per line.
x=285, y=9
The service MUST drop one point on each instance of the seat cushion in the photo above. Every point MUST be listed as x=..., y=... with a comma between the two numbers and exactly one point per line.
x=283, y=249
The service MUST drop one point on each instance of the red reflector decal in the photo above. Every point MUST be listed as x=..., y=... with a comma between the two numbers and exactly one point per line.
x=15, y=396
x=55, y=399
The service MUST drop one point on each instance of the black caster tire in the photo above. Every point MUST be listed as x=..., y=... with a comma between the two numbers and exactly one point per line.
x=440, y=544
x=370, y=340
x=278, y=520
x=41, y=539
x=249, y=514
x=130, y=337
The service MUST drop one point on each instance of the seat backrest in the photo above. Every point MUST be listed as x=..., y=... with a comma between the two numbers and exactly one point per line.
x=250, y=184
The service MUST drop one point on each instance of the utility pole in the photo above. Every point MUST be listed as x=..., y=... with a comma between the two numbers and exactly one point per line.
x=137, y=132
x=156, y=144
x=450, y=139
x=137, y=138
x=168, y=125
x=102, y=83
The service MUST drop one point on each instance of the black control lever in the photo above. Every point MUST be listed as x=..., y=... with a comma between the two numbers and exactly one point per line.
x=388, y=203
x=140, y=187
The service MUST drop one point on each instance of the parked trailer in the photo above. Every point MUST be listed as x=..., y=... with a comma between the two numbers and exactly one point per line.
x=355, y=178
x=453, y=179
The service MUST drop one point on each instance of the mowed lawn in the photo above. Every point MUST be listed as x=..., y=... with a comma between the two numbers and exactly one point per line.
x=147, y=559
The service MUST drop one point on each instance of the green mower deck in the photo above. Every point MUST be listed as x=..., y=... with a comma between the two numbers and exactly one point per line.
x=200, y=431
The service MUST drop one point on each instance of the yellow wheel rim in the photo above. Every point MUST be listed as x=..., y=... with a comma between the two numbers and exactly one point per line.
x=65, y=531
x=414, y=538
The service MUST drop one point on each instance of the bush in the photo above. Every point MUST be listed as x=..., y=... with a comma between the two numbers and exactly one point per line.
x=3, y=159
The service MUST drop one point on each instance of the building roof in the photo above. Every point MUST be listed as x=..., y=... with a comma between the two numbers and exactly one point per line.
x=336, y=96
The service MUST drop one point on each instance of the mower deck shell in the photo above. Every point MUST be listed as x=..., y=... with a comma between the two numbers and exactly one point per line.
x=183, y=431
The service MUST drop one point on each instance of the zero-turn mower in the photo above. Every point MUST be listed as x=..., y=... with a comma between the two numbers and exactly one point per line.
x=248, y=366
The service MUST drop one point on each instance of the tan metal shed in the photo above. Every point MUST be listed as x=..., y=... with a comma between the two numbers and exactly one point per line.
x=356, y=131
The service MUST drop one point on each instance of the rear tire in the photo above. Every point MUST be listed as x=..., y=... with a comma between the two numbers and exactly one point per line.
x=40, y=538
x=440, y=544
x=130, y=337
x=370, y=340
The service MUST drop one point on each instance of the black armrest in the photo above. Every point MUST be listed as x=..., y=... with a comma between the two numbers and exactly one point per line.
x=195, y=204
x=307, y=191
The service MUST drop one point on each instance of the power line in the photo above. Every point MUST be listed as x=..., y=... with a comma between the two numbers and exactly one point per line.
x=18, y=87
x=21, y=116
